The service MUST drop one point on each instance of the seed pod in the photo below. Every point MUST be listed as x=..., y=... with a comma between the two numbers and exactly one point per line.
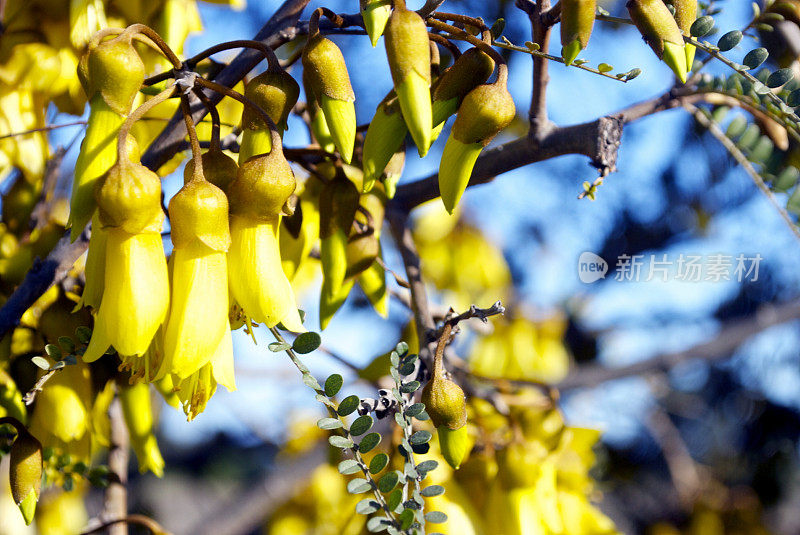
x=218, y=168
x=114, y=69
x=129, y=197
x=685, y=15
x=384, y=137
x=486, y=110
x=409, y=56
x=470, y=70
x=262, y=186
x=375, y=14
x=326, y=72
x=661, y=33
x=25, y=473
x=577, y=20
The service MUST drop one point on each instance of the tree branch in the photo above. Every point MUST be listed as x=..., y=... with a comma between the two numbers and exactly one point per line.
x=279, y=29
x=115, y=504
x=730, y=336
x=41, y=276
x=537, y=115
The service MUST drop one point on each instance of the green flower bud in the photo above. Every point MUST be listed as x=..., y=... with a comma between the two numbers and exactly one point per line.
x=577, y=20
x=470, y=70
x=362, y=250
x=375, y=14
x=25, y=473
x=445, y=402
x=262, y=185
x=455, y=170
x=685, y=15
x=199, y=211
x=319, y=125
x=384, y=137
x=129, y=196
x=393, y=172
x=218, y=168
x=661, y=32
x=114, y=69
x=326, y=73
x=409, y=56
x=276, y=93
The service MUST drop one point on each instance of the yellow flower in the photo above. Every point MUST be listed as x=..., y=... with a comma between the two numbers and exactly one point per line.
x=138, y=413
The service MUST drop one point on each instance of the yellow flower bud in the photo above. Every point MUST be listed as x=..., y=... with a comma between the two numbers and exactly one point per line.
x=373, y=282
x=383, y=139
x=454, y=444
x=408, y=52
x=199, y=212
x=129, y=198
x=319, y=125
x=138, y=413
x=276, y=93
x=262, y=186
x=326, y=72
x=685, y=15
x=218, y=168
x=577, y=20
x=470, y=70
x=375, y=14
x=25, y=473
x=661, y=32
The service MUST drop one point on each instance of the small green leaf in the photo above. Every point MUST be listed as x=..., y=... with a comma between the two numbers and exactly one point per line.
x=426, y=466
x=793, y=99
x=329, y=423
x=436, y=517
x=361, y=425
x=340, y=442
x=66, y=343
x=394, y=499
x=729, y=40
x=409, y=387
x=83, y=334
x=702, y=26
x=605, y=67
x=736, y=127
x=277, y=347
x=755, y=58
x=53, y=351
x=367, y=506
x=433, y=490
x=402, y=348
x=406, y=368
x=376, y=524
x=406, y=518
x=358, y=485
x=421, y=437
x=498, y=27
x=415, y=409
x=41, y=362
x=306, y=342
x=333, y=384
x=311, y=381
x=378, y=463
x=369, y=442
x=348, y=405
x=779, y=78
x=786, y=179
x=349, y=466
x=388, y=481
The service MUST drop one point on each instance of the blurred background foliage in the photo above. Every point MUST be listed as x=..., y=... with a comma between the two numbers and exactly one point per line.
x=708, y=446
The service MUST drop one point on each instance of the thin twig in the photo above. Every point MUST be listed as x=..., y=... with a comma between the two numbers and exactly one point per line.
x=43, y=129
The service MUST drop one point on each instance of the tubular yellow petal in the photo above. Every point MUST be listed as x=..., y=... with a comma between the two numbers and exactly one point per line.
x=675, y=58
x=138, y=412
x=95, y=270
x=254, y=142
x=98, y=345
x=195, y=391
x=442, y=109
x=690, y=50
x=414, y=94
x=295, y=250
x=330, y=301
x=373, y=283
x=319, y=126
x=222, y=362
x=97, y=155
x=340, y=116
x=198, y=317
x=256, y=279
x=136, y=297
x=453, y=444
x=375, y=14
x=333, y=257
x=384, y=137
x=570, y=51
x=28, y=507
x=458, y=159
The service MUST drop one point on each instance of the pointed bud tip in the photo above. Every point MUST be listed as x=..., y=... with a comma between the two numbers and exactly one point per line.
x=570, y=52
x=675, y=58
x=28, y=507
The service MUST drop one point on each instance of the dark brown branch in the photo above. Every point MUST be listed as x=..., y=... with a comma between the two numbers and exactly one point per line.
x=279, y=29
x=40, y=277
x=540, y=125
x=730, y=336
